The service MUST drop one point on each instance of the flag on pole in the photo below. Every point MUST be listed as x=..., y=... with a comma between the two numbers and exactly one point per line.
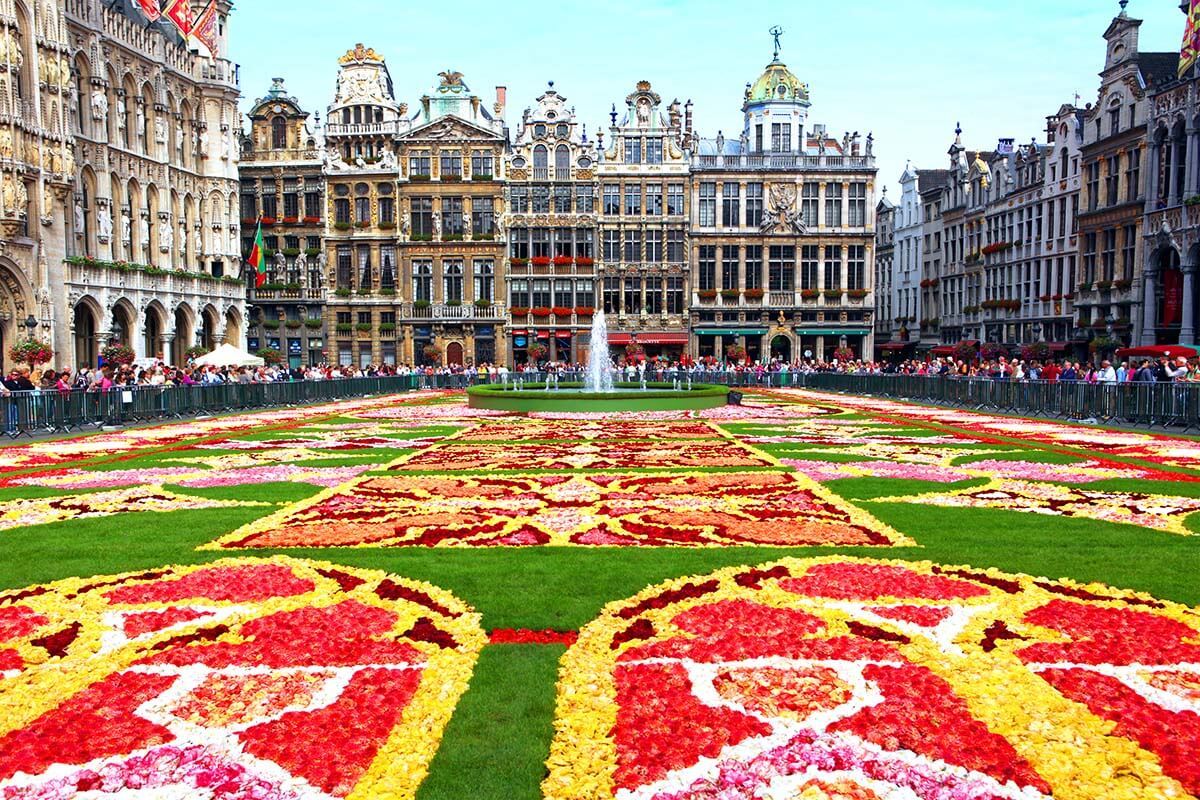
x=257, y=261
x=205, y=28
x=1190, y=50
x=180, y=13
x=150, y=9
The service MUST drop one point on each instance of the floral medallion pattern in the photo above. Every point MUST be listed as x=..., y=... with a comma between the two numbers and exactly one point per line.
x=239, y=679
x=854, y=678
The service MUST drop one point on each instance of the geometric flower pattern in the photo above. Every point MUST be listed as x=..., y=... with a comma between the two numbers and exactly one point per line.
x=1157, y=512
x=20, y=512
x=558, y=455
x=237, y=679
x=854, y=678
x=610, y=509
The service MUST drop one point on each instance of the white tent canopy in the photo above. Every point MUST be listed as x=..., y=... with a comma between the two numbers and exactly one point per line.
x=229, y=356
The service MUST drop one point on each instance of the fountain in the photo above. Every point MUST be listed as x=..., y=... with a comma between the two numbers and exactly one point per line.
x=598, y=392
x=599, y=376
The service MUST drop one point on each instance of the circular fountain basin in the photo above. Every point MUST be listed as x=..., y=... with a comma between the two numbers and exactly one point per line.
x=572, y=397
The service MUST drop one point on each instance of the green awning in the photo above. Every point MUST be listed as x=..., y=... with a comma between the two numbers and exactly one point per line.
x=832, y=331
x=730, y=331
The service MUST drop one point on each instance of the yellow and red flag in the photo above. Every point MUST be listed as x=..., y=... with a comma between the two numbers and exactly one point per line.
x=205, y=28
x=1190, y=50
x=150, y=9
x=180, y=13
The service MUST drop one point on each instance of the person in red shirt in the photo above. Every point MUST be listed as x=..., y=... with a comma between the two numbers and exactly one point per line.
x=1051, y=372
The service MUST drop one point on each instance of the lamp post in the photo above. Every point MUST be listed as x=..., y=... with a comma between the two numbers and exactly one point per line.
x=31, y=324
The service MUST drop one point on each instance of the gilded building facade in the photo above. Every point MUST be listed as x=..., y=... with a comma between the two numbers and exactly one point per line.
x=643, y=227
x=782, y=235
x=451, y=156
x=551, y=233
x=283, y=186
x=361, y=249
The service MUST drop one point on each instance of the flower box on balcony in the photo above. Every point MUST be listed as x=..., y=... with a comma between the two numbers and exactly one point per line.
x=271, y=286
x=344, y=327
x=420, y=176
x=832, y=294
x=730, y=294
x=342, y=292
x=1104, y=286
x=312, y=220
x=292, y=287
x=363, y=291
x=518, y=262
x=857, y=294
x=707, y=294
x=341, y=226
x=584, y=261
x=271, y=324
x=421, y=304
x=454, y=303
x=809, y=294
x=1124, y=284
x=540, y=311
x=291, y=220
x=293, y=324
x=753, y=294
x=481, y=177
x=481, y=303
x=452, y=237
x=363, y=223
x=387, y=226
x=584, y=311
x=268, y=220
x=561, y=311
x=483, y=237
x=421, y=237
x=387, y=327
x=1085, y=286
x=313, y=323
x=450, y=177
x=519, y=311
x=362, y=327
x=540, y=261
x=562, y=261
x=1045, y=298
x=291, y=252
x=388, y=291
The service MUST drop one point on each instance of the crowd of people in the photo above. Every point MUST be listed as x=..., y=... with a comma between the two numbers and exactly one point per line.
x=774, y=371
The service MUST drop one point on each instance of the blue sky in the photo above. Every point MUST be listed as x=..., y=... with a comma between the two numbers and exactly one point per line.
x=906, y=71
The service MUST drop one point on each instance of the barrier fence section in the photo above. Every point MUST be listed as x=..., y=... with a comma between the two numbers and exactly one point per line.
x=1175, y=405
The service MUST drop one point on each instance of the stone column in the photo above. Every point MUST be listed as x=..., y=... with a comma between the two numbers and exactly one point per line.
x=166, y=341
x=1187, y=331
x=1153, y=165
x=1149, y=310
x=1172, y=162
x=1190, y=186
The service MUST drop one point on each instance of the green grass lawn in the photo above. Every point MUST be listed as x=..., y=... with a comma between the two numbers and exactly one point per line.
x=497, y=741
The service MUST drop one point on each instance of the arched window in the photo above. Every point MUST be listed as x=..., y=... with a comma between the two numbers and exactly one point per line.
x=279, y=133
x=541, y=161
x=562, y=162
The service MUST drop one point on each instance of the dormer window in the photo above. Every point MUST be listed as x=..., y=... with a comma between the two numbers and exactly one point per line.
x=562, y=131
x=539, y=130
x=278, y=133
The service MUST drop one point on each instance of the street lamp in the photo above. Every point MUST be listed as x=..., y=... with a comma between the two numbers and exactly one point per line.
x=31, y=325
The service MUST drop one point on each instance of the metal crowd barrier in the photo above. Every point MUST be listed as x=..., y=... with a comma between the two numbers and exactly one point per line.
x=1174, y=405
x=50, y=411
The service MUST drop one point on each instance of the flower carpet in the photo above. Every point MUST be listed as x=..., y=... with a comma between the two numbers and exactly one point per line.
x=865, y=679
x=462, y=611
x=229, y=680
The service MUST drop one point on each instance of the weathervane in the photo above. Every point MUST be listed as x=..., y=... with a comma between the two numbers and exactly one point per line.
x=776, y=32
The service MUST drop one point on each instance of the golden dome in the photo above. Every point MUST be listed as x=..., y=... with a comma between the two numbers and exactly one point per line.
x=777, y=84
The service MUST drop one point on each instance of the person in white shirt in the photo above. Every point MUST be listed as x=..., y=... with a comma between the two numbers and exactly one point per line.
x=1107, y=373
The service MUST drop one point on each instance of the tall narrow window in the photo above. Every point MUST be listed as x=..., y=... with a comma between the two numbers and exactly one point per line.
x=781, y=268
x=675, y=199
x=754, y=267
x=422, y=277
x=485, y=279
x=809, y=203
x=483, y=216
x=858, y=205
x=452, y=281
x=730, y=204
x=754, y=204
x=706, y=268
x=833, y=267
x=809, y=263
x=856, y=267
x=833, y=205
x=279, y=133
x=729, y=268
x=708, y=205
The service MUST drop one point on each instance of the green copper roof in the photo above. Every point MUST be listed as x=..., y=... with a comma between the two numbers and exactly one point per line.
x=777, y=84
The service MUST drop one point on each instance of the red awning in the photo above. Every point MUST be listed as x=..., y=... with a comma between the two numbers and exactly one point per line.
x=1057, y=347
x=543, y=334
x=517, y=332
x=662, y=338
x=619, y=338
x=943, y=350
x=1158, y=351
x=895, y=345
